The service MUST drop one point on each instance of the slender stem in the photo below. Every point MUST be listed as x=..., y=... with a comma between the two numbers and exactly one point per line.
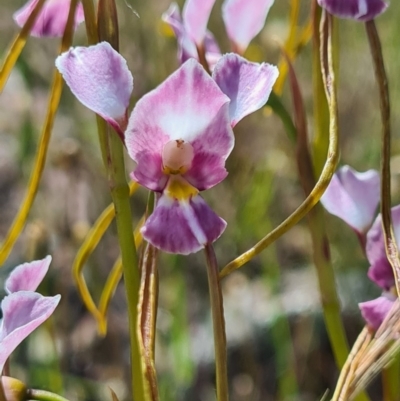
x=316, y=221
x=40, y=158
x=18, y=44
x=42, y=395
x=90, y=21
x=381, y=78
x=217, y=309
x=324, y=179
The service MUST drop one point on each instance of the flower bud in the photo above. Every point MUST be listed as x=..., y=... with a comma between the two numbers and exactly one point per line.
x=14, y=390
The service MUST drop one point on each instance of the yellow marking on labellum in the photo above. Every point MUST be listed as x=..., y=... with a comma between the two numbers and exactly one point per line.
x=177, y=157
x=179, y=189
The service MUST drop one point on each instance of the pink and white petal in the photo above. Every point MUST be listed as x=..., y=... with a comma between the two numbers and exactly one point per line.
x=100, y=79
x=375, y=311
x=182, y=227
x=23, y=312
x=244, y=19
x=353, y=197
x=380, y=270
x=207, y=171
x=51, y=20
x=247, y=84
x=195, y=18
x=28, y=276
x=187, y=106
x=149, y=172
x=186, y=46
x=362, y=10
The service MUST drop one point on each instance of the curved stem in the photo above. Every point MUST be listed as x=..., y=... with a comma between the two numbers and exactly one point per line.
x=217, y=309
x=40, y=159
x=18, y=44
x=324, y=179
x=381, y=78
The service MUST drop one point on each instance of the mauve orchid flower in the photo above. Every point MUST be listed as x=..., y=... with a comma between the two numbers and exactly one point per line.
x=375, y=311
x=353, y=197
x=380, y=271
x=180, y=134
x=360, y=10
x=243, y=20
x=23, y=309
x=52, y=18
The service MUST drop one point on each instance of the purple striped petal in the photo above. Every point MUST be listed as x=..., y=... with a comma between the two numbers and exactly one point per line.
x=247, y=84
x=353, y=197
x=361, y=10
x=244, y=19
x=188, y=106
x=149, y=172
x=99, y=77
x=380, y=270
x=375, y=311
x=23, y=312
x=28, y=276
x=182, y=226
x=52, y=18
x=195, y=18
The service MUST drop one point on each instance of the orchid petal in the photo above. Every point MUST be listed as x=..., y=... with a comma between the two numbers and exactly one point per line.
x=375, y=311
x=187, y=106
x=186, y=46
x=353, y=197
x=244, y=19
x=207, y=171
x=182, y=226
x=195, y=18
x=23, y=312
x=52, y=18
x=99, y=77
x=380, y=270
x=28, y=276
x=149, y=172
x=361, y=10
x=247, y=84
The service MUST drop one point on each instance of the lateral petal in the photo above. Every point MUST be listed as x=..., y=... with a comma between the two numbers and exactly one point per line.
x=100, y=79
x=248, y=85
x=244, y=19
x=28, y=276
x=380, y=270
x=23, y=312
x=375, y=311
x=353, y=197
x=182, y=226
x=195, y=18
x=52, y=18
x=361, y=10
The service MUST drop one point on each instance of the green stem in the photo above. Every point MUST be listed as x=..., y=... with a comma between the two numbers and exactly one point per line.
x=42, y=395
x=120, y=195
x=381, y=78
x=324, y=179
x=217, y=309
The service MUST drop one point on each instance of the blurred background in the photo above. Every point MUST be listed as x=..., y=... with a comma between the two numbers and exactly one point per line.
x=277, y=343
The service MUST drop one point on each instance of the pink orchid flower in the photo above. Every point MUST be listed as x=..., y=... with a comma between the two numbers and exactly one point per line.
x=23, y=309
x=360, y=10
x=180, y=134
x=380, y=271
x=52, y=18
x=353, y=197
x=243, y=19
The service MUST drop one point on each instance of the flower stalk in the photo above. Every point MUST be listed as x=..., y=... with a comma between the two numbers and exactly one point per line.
x=384, y=100
x=217, y=310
